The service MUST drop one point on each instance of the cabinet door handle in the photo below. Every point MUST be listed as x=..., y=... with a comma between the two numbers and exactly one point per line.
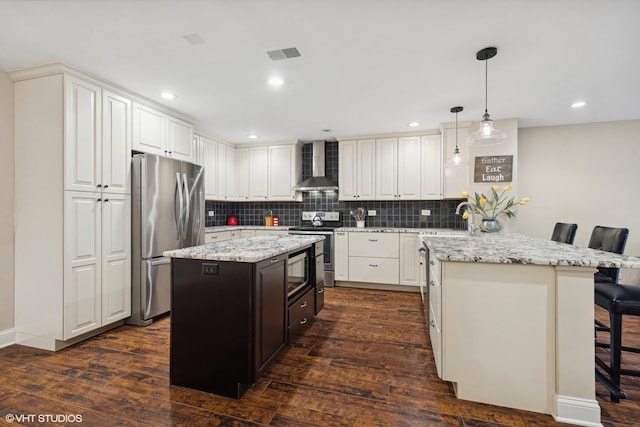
x=431, y=322
x=99, y=200
x=432, y=263
x=106, y=186
x=432, y=283
x=422, y=250
x=373, y=240
x=321, y=291
x=303, y=321
x=106, y=200
x=373, y=265
x=303, y=305
x=99, y=186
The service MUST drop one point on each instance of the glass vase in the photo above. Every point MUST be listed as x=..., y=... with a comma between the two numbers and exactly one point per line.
x=490, y=225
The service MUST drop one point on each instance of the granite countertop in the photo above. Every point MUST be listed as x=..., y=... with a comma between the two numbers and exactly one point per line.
x=243, y=227
x=505, y=248
x=252, y=249
x=400, y=230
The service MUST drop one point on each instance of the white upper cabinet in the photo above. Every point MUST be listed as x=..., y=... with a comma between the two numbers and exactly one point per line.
x=431, y=167
x=357, y=170
x=158, y=133
x=116, y=143
x=386, y=169
x=210, y=163
x=227, y=176
x=259, y=173
x=402, y=168
x=242, y=170
x=82, y=138
x=282, y=172
x=409, y=168
x=180, y=139
x=149, y=130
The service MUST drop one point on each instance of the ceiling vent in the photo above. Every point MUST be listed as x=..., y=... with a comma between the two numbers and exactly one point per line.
x=193, y=39
x=277, y=55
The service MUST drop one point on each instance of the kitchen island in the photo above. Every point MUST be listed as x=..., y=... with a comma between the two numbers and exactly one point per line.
x=231, y=306
x=511, y=321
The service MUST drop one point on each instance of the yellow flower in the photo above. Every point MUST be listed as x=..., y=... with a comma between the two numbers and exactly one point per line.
x=508, y=187
x=524, y=201
x=464, y=194
x=482, y=201
x=465, y=215
x=496, y=187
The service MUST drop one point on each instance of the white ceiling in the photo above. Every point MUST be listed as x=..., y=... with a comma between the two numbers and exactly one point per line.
x=367, y=66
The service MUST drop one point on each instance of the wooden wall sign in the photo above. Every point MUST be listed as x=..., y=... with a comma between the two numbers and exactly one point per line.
x=493, y=169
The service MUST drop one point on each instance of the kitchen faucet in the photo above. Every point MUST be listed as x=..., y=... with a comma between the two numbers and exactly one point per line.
x=472, y=228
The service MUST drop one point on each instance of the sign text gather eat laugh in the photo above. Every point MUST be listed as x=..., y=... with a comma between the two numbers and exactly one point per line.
x=493, y=169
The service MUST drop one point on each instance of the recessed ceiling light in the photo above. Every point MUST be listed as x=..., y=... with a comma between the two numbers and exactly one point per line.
x=578, y=104
x=168, y=95
x=252, y=136
x=276, y=81
x=414, y=124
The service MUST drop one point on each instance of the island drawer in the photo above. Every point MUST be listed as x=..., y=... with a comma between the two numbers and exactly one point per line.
x=381, y=245
x=299, y=324
x=435, y=336
x=302, y=305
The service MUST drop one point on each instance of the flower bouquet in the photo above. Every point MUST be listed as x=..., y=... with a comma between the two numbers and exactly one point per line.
x=496, y=204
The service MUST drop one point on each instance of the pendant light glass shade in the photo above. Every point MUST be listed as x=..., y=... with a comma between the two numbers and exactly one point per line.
x=456, y=159
x=486, y=134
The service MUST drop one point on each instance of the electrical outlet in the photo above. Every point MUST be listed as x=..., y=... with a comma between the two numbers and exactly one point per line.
x=212, y=213
x=372, y=213
x=425, y=212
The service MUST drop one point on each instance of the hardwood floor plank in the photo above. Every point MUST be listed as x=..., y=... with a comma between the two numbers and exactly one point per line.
x=365, y=361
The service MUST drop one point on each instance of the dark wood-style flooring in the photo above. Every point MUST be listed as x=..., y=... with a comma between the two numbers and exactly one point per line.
x=365, y=361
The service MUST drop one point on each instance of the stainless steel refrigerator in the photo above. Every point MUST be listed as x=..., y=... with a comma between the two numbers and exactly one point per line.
x=167, y=213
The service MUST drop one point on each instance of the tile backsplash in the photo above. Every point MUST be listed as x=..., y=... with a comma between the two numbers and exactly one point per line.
x=388, y=213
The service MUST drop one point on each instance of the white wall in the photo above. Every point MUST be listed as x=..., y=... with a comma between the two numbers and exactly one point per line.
x=587, y=174
x=6, y=204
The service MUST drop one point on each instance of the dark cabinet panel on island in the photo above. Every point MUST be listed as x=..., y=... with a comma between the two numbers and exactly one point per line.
x=228, y=320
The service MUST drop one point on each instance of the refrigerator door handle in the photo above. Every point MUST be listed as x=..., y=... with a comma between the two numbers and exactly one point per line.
x=178, y=219
x=161, y=261
x=187, y=198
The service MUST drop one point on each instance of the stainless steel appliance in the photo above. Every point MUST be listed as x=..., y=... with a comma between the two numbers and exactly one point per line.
x=323, y=224
x=167, y=213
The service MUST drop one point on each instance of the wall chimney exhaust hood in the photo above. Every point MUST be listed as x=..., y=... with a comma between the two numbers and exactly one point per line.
x=318, y=182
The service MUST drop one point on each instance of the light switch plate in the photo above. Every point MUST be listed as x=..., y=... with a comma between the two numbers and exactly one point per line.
x=425, y=212
x=372, y=212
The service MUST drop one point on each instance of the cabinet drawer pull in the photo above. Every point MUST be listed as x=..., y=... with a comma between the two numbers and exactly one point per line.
x=321, y=291
x=432, y=283
x=303, y=321
x=432, y=263
x=274, y=260
x=373, y=240
x=303, y=305
x=431, y=322
x=373, y=265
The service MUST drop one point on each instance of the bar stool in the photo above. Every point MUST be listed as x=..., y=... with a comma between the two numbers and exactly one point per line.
x=564, y=233
x=618, y=300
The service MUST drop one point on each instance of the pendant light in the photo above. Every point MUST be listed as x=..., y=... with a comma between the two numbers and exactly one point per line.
x=486, y=134
x=456, y=159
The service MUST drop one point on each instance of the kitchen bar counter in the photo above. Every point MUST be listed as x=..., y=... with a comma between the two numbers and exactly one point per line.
x=401, y=230
x=251, y=250
x=503, y=248
x=511, y=321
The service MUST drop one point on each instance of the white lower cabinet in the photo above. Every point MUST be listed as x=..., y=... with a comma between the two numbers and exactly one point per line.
x=374, y=257
x=97, y=259
x=218, y=236
x=409, y=259
x=341, y=252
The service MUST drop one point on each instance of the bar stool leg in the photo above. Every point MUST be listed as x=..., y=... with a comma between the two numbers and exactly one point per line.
x=615, y=351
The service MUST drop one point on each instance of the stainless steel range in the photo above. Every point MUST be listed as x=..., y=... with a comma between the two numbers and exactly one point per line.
x=322, y=224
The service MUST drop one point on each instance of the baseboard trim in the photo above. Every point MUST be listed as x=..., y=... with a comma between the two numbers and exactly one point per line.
x=377, y=286
x=581, y=412
x=7, y=337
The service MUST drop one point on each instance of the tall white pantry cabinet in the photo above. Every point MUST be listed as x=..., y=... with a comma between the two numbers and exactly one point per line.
x=73, y=209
